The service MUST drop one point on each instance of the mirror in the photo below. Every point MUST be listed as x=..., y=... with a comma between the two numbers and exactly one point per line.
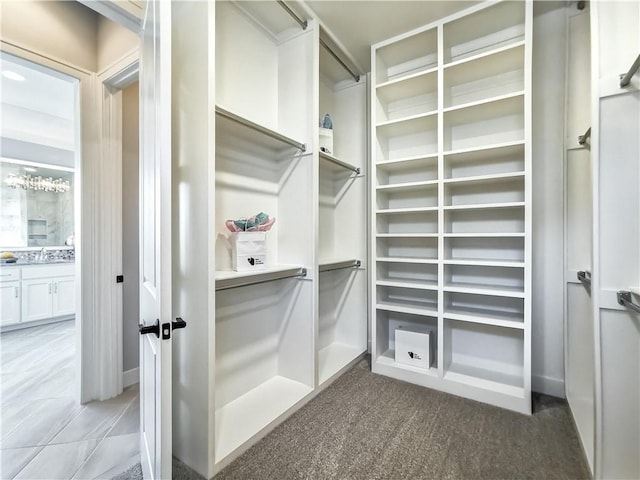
x=37, y=205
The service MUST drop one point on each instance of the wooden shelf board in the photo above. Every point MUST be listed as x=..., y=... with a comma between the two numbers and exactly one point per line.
x=495, y=381
x=428, y=261
x=497, y=178
x=406, y=78
x=229, y=278
x=484, y=148
x=400, y=161
x=408, y=185
x=498, y=319
x=334, y=357
x=485, y=290
x=407, y=308
x=241, y=419
x=488, y=53
x=485, y=101
x=411, y=118
x=386, y=211
x=407, y=235
x=389, y=358
x=485, y=206
x=417, y=284
x=484, y=263
x=484, y=235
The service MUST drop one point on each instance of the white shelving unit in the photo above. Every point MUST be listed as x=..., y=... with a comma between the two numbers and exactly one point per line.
x=451, y=197
x=342, y=226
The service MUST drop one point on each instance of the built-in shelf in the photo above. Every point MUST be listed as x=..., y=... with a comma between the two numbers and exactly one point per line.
x=430, y=261
x=403, y=160
x=492, y=179
x=230, y=279
x=485, y=101
x=407, y=186
x=512, y=292
x=336, y=164
x=484, y=263
x=241, y=419
x=485, y=54
x=398, y=123
x=415, y=309
x=485, y=206
x=407, y=235
x=484, y=235
x=338, y=264
x=406, y=78
x=386, y=211
x=416, y=284
x=484, y=148
x=389, y=358
x=482, y=317
x=228, y=123
x=492, y=380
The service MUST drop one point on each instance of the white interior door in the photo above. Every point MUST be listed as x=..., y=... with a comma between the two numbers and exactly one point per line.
x=155, y=241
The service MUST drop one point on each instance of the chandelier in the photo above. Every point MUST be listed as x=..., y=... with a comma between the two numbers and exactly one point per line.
x=45, y=184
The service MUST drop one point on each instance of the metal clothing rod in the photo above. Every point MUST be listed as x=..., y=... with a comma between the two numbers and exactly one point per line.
x=585, y=278
x=626, y=78
x=340, y=265
x=302, y=23
x=340, y=163
x=355, y=76
x=582, y=139
x=270, y=133
x=259, y=278
x=624, y=298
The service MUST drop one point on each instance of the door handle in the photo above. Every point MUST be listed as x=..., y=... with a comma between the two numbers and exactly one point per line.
x=155, y=329
x=16, y=288
x=49, y=288
x=178, y=323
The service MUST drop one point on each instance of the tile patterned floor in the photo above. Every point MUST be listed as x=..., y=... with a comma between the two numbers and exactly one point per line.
x=44, y=433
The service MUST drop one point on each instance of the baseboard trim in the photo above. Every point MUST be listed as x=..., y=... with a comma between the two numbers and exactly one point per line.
x=548, y=386
x=130, y=377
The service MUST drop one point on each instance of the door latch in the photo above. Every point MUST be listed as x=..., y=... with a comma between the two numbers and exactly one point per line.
x=155, y=329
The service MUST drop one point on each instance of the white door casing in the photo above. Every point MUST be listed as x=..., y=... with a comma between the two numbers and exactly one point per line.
x=155, y=240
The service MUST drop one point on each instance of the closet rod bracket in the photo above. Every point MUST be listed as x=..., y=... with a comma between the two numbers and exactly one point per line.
x=624, y=299
x=585, y=277
x=582, y=139
x=625, y=78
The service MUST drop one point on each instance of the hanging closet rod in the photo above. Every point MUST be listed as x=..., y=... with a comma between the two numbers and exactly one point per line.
x=582, y=139
x=340, y=265
x=257, y=278
x=624, y=299
x=340, y=163
x=302, y=23
x=626, y=78
x=355, y=76
x=585, y=278
x=270, y=133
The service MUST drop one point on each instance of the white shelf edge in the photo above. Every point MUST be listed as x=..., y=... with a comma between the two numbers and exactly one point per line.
x=497, y=292
x=386, y=211
x=407, y=235
x=425, y=261
x=483, y=148
x=411, y=118
x=405, y=78
x=485, y=263
x=477, y=103
x=388, y=358
x=484, y=235
x=461, y=317
x=488, y=53
x=423, y=312
x=400, y=161
x=397, y=284
x=484, y=178
x=408, y=185
x=226, y=279
x=485, y=206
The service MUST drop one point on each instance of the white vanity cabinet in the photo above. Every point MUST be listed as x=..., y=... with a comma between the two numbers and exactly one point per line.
x=9, y=295
x=48, y=291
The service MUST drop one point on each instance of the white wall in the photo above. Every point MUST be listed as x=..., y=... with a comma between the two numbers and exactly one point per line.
x=549, y=40
x=38, y=27
x=113, y=42
x=130, y=270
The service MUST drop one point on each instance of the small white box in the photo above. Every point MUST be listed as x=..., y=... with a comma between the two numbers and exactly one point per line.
x=249, y=251
x=326, y=140
x=413, y=346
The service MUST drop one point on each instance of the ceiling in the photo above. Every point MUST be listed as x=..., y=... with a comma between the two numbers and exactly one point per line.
x=357, y=24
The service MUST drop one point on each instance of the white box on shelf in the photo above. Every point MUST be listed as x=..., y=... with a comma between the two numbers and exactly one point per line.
x=249, y=251
x=413, y=346
x=326, y=140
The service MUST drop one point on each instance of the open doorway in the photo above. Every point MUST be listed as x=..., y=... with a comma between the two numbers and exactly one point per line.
x=47, y=431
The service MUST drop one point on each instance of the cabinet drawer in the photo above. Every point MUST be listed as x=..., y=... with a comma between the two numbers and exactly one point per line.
x=9, y=274
x=44, y=271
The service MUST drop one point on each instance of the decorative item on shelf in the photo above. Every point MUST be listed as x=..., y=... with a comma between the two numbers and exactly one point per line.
x=326, y=134
x=249, y=238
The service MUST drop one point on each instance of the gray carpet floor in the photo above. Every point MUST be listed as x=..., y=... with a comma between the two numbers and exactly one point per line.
x=367, y=426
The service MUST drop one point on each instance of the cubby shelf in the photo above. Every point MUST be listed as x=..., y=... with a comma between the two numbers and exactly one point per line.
x=484, y=206
x=389, y=358
x=408, y=125
x=484, y=148
x=404, y=308
x=391, y=211
x=486, y=55
x=417, y=284
x=405, y=79
x=431, y=261
x=491, y=179
x=484, y=101
x=484, y=263
x=484, y=319
x=404, y=160
x=485, y=290
x=239, y=420
x=484, y=235
x=408, y=186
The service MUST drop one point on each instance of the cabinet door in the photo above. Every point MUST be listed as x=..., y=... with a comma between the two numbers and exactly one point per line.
x=36, y=299
x=64, y=296
x=9, y=302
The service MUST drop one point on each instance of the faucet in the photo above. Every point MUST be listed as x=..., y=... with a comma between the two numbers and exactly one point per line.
x=42, y=256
